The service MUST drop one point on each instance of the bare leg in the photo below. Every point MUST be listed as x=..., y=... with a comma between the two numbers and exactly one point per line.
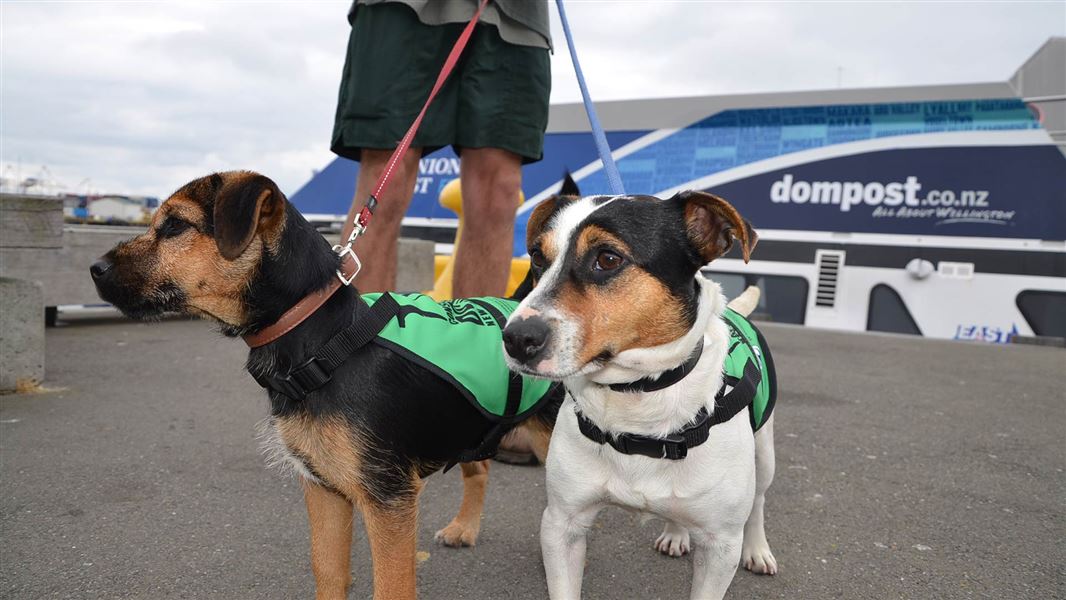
x=491, y=182
x=330, y=516
x=463, y=529
x=756, y=556
x=563, y=539
x=393, y=533
x=377, y=247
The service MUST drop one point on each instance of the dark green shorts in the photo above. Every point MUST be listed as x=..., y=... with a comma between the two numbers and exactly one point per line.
x=497, y=97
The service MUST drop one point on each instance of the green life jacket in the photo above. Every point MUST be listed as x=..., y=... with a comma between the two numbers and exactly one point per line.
x=749, y=358
x=461, y=341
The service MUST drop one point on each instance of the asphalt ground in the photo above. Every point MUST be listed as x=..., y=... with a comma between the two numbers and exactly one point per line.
x=907, y=468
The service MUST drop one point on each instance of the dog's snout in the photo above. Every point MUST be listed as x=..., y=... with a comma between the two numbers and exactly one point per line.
x=525, y=339
x=100, y=268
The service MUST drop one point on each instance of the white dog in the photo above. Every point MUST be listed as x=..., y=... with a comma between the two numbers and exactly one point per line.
x=666, y=384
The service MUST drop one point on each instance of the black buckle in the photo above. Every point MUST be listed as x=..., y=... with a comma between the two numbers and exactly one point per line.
x=299, y=382
x=672, y=447
x=310, y=375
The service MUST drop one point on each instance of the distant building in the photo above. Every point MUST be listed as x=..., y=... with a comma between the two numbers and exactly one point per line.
x=130, y=209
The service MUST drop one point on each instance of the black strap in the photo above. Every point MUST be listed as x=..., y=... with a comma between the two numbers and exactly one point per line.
x=665, y=380
x=726, y=406
x=317, y=371
x=672, y=447
x=676, y=445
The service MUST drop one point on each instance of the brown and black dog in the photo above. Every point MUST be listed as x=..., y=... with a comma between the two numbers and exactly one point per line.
x=229, y=247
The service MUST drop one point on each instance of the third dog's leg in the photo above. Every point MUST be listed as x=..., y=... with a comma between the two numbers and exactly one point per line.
x=463, y=529
x=392, y=527
x=562, y=543
x=330, y=516
x=756, y=556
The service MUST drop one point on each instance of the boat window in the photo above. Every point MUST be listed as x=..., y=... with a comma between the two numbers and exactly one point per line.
x=783, y=300
x=888, y=313
x=1044, y=311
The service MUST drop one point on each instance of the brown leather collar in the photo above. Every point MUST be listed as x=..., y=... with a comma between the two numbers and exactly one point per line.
x=301, y=310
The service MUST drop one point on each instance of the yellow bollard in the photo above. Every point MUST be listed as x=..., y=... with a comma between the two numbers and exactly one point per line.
x=451, y=197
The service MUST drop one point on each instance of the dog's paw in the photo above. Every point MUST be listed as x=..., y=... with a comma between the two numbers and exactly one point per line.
x=457, y=535
x=673, y=541
x=757, y=558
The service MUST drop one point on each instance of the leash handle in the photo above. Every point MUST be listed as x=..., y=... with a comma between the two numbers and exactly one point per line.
x=614, y=179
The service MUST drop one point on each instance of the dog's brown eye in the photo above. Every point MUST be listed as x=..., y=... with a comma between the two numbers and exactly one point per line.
x=537, y=258
x=607, y=261
x=172, y=227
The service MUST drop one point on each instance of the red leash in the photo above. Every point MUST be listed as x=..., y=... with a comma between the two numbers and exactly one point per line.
x=350, y=264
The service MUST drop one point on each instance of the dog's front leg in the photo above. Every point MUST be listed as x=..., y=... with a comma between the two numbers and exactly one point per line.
x=330, y=517
x=392, y=527
x=563, y=536
x=714, y=562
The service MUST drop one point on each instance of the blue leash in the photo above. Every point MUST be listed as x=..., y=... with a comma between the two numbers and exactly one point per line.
x=614, y=179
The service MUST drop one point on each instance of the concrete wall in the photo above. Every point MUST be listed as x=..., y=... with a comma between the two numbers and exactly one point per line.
x=30, y=221
x=21, y=334
x=64, y=271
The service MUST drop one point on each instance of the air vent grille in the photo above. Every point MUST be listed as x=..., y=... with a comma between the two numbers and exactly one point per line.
x=830, y=263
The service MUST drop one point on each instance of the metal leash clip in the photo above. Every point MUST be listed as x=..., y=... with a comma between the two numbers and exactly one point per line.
x=358, y=228
x=343, y=251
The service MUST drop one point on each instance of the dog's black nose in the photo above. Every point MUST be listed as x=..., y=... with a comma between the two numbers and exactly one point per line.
x=526, y=338
x=100, y=268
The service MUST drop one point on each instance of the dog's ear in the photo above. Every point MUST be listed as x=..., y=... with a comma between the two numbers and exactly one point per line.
x=569, y=187
x=712, y=224
x=543, y=213
x=246, y=204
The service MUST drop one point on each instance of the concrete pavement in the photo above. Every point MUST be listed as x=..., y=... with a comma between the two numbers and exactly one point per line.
x=907, y=468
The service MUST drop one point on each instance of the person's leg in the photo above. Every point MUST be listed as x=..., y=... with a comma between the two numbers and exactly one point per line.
x=377, y=247
x=491, y=183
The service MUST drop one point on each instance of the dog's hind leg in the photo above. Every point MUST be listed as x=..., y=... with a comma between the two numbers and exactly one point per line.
x=463, y=529
x=330, y=517
x=392, y=527
x=539, y=431
x=756, y=555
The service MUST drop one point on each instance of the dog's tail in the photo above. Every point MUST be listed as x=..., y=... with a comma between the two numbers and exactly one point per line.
x=746, y=302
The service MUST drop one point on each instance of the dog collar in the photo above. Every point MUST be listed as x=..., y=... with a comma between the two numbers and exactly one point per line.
x=665, y=380
x=676, y=445
x=304, y=308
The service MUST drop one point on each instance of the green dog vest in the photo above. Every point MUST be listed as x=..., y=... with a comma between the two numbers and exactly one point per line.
x=749, y=357
x=461, y=341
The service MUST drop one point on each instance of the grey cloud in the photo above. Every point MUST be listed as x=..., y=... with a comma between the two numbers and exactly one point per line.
x=144, y=96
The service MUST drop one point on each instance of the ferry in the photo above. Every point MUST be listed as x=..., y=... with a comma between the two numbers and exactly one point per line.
x=937, y=211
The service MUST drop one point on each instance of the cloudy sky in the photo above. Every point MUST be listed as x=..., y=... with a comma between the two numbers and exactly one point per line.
x=138, y=97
